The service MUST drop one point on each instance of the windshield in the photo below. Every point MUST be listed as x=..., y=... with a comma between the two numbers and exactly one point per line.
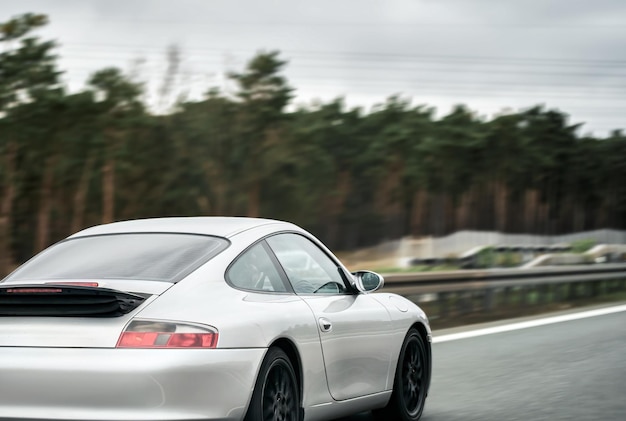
x=144, y=256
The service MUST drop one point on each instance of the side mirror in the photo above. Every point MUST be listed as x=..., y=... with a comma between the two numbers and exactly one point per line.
x=366, y=281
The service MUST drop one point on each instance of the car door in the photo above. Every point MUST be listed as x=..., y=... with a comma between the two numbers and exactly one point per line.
x=355, y=329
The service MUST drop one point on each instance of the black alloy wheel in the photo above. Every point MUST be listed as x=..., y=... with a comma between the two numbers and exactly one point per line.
x=411, y=380
x=413, y=385
x=276, y=394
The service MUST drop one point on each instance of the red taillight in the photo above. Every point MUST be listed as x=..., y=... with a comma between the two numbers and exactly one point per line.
x=34, y=290
x=192, y=340
x=148, y=334
x=75, y=283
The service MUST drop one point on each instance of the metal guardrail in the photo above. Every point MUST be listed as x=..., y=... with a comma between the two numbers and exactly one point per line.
x=420, y=282
x=454, y=293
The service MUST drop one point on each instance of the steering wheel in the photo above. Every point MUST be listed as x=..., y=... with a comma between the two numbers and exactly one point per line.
x=337, y=285
x=303, y=287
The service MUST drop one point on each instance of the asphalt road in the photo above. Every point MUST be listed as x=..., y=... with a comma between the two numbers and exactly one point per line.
x=572, y=370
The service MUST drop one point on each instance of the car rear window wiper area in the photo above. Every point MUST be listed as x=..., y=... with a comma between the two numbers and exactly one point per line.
x=65, y=301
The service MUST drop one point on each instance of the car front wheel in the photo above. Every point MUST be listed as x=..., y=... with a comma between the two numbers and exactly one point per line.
x=409, y=387
x=276, y=394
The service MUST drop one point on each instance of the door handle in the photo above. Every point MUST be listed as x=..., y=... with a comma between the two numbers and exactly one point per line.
x=325, y=325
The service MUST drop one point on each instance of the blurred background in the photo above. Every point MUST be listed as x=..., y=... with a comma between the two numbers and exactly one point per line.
x=363, y=121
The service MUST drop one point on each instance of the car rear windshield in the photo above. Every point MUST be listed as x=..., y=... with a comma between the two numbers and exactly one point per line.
x=144, y=256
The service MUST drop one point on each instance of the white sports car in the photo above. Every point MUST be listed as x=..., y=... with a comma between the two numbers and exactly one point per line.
x=205, y=318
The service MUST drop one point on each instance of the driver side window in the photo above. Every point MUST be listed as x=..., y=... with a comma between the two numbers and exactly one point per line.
x=308, y=268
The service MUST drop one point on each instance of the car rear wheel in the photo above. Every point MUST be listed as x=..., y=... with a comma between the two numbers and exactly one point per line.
x=409, y=387
x=276, y=394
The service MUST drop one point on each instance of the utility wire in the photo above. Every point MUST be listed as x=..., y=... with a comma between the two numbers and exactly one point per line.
x=342, y=24
x=390, y=69
x=344, y=64
x=356, y=55
x=410, y=79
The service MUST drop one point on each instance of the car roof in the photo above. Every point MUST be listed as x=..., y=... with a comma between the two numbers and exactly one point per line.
x=208, y=225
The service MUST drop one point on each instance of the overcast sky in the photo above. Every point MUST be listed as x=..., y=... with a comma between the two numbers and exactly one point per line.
x=488, y=54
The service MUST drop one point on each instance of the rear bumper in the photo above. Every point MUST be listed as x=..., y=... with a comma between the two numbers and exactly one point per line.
x=126, y=384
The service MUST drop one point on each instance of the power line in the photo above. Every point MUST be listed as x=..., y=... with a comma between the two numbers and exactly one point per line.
x=386, y=67
x=95, y=55
x=357, y=55
x=296, y=73
x=364, y=75
x=369, y=24
x=391, y=69
x=411, y=88
x=461, y=89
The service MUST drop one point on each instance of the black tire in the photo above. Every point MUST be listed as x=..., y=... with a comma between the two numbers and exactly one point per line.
x=410, y=382
x=276, y=395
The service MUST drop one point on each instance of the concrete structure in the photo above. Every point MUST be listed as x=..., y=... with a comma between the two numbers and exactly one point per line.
x=400, y=253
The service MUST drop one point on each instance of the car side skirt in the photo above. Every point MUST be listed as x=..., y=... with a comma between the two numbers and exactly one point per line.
x=337, y=409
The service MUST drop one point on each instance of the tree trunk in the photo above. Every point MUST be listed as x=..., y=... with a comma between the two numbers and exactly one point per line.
x=219, y=191
x=462, y=211
x=6, y=210
x=254, y=198
x=387, y=202
x=108, y=191
x=337, y=202
x=417, y=212
x=447, y=213
x=214, y=176
x=500, y=199
x=45, y=204
x=473, y=215
x=565, y=217
x=544, y=218
x=530, y=211
x=438, y=215
x=579, y=217
x=483, y=209
x=80, y=196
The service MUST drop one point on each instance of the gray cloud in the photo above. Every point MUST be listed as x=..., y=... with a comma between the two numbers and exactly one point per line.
x=490, y=54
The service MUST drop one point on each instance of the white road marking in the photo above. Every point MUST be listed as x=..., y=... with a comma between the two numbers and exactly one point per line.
x=528, y=324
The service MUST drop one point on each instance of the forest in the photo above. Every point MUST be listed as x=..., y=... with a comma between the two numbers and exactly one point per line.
x=352, y=176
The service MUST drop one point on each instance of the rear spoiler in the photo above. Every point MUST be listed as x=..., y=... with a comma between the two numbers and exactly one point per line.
x=62, y=300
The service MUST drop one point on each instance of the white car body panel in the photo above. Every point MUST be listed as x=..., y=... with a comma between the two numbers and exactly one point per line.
x=132, y=384
x=210, y=225
x=357, y=349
